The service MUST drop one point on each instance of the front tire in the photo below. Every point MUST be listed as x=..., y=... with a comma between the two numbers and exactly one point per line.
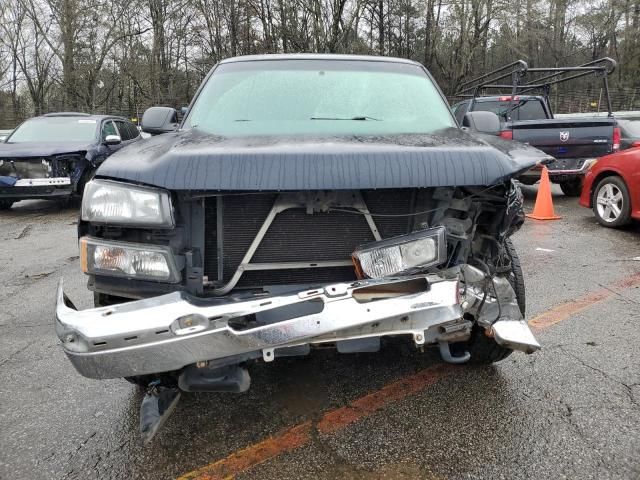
x=611, y=202
x=572, y=188
x=484, y=350
x=6, y=204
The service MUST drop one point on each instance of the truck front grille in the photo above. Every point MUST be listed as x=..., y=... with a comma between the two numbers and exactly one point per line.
x=295, y=236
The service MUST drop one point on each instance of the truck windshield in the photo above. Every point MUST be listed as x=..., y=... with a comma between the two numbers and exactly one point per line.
x=55, y=129
x=319, y=97
x=525, y=109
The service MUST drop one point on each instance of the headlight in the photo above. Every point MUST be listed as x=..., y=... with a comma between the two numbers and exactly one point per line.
x=404, y=254
x=124, y=259
x=117, y=203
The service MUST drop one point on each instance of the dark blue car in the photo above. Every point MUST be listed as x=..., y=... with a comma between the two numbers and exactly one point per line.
x=53, y=156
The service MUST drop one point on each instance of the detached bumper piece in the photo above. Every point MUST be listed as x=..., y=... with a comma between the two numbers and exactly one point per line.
x=170, y=332
x=157, y=405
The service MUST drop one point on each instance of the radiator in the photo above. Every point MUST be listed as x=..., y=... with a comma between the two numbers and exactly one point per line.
x=295, y=236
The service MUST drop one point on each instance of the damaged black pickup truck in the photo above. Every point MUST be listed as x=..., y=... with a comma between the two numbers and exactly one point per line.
x=305, y=201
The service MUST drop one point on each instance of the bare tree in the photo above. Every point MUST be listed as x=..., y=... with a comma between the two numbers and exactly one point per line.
x=122, y=56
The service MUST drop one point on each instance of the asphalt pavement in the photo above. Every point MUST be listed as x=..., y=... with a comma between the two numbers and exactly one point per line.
x=571, y=410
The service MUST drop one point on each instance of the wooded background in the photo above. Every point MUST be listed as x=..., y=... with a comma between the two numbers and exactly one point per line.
x=121, y=56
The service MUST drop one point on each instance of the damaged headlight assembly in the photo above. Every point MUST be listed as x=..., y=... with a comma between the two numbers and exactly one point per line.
x=131, y=260
x=405, y=254
x=116, y=203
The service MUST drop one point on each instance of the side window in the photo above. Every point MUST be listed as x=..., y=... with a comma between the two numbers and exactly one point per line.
x=125, y=134
x=531, y=110
x=108, y=128
x=460, y=111
x=133, y=129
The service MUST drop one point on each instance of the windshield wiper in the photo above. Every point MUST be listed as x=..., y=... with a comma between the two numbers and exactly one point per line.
x=360, y=118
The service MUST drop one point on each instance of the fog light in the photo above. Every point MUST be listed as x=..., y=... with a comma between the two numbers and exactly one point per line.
x=146, y=262
x=405, y=254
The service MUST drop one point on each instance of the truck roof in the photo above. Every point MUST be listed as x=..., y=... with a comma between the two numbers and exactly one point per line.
x=318, y=56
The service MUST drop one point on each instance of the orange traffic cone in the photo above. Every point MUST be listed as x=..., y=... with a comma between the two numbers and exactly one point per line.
x=543, y=209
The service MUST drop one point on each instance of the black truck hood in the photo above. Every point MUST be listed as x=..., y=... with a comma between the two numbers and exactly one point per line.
x=193, y=160
x=37, y=149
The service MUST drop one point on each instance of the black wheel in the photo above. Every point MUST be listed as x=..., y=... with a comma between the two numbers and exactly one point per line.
x=485, y=350
x=572, y=188
x=611, y=202
x=5, y=204
x=516, y=278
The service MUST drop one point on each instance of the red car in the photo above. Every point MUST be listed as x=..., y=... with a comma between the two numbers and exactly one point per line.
x=612, y=188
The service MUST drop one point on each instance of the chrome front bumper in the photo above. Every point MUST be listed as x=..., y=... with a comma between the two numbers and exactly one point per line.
x=169, y=332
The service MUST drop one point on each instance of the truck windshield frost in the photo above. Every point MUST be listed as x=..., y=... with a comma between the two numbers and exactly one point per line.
x=314, y=97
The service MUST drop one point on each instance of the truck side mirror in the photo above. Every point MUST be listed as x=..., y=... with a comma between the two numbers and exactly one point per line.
x=157, y=120
x=184, y=110
x=482, y=122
